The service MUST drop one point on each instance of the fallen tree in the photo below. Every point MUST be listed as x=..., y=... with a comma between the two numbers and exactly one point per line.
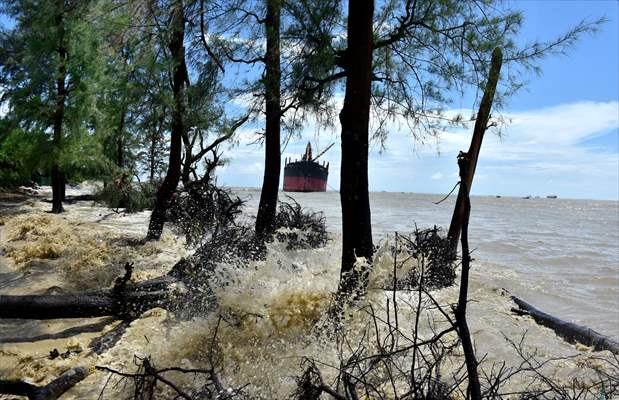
x=569, y=331
x=82, y=305
x=51, y=391
x=188, y=280
x=124, y=300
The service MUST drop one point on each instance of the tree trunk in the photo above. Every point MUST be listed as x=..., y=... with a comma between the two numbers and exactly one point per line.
x=63, y=187
x=470, y=359
x=481, y=124
x=57, y=207
x=132, y=299
x=58, y=117
x=119, y=140
x=51, y=391
x=81, y=305
x=151, y=152
x=272, y=155
x=186, y=174
x=167, y=188
x=355, y=117
x=569, y=331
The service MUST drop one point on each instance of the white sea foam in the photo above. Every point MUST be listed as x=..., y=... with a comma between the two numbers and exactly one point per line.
x=270, y=308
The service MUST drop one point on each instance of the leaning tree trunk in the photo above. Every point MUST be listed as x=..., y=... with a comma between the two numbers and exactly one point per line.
x=571, y=332
x=272, y=155
x=58, y=117
x=167, y=188
x=460, y=311
x=481, y=124
x=355, y=117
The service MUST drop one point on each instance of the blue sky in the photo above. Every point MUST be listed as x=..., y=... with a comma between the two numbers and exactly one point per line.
x=563, y=138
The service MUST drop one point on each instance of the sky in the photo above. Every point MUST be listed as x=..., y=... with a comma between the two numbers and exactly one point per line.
x=563, y=138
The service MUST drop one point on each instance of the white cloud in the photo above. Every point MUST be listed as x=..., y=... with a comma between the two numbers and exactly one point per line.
x=537, y=146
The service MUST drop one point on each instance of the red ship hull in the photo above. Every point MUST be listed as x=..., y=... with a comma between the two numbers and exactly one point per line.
x=303, y=184
x=305, y=176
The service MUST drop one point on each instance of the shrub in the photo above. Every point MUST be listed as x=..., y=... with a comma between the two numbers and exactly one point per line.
x=201, y=209
x=430, y=248
x=299, y=228
x=133, y=197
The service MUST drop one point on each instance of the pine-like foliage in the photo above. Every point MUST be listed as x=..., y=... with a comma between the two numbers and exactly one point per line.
x=50, y=60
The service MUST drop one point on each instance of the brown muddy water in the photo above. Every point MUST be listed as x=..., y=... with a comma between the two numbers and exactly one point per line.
x=560, y=255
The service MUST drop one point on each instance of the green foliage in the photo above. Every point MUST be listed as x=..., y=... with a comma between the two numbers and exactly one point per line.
x=32, y=68
x=427, y=54
x=19, y=156
x=133, y=197
x=203, y=209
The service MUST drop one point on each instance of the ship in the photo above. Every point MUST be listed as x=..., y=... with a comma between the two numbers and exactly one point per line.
x=306, y=175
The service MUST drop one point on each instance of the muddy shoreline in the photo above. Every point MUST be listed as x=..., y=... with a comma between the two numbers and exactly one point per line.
x=86, y=247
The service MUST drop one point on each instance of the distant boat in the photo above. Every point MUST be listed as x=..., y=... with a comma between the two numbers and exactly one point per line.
x=551, y=196
x=497, y=196
x=527, y=197
x=306, y=175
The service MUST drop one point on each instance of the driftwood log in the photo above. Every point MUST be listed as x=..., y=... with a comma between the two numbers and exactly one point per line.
x=569, y=331
x=51, y=391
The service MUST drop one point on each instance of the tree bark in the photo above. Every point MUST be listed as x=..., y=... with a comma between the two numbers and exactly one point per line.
x=58, y=117
x=567, y=330
x=152, y=155
x=170, y=182
x=474, y=387
x=57, y=182
x=119, y=140
x=129, y=301
x=481, y=124
x=80, y=305
x=272, y=154
x=354, y=118
x=51, y=391
x=186, y=169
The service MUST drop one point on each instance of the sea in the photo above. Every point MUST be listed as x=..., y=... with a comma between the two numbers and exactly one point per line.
x=561, y=255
